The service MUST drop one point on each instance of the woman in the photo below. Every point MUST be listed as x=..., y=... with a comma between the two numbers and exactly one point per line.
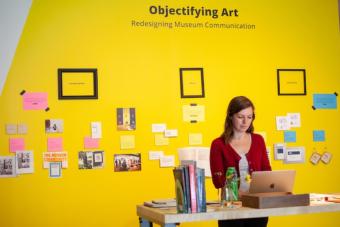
x=239, y=147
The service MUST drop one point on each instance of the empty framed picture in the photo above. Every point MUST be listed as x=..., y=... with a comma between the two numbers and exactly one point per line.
x=291, y=81
x=77, y=83
x=192, y=82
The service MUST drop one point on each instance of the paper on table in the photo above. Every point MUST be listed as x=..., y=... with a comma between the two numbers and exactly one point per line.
x=127, y=142
x=16, y=144
x=55, y=144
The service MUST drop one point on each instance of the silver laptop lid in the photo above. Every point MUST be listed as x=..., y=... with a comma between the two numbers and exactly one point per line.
x=272, y=181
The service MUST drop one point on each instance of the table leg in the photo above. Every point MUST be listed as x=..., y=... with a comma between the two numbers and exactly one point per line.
x=144, y=223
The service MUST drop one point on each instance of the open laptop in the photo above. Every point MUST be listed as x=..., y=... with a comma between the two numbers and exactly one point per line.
x=272, y=181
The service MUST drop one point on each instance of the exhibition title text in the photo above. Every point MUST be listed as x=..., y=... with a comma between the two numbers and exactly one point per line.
x=192, y=11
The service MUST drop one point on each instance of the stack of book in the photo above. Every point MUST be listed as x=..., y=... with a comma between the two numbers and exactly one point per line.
x=190, y=188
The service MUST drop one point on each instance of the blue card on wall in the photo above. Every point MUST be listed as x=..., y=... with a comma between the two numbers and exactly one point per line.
x=318, y=135
x=289, y=136
x=324, y=101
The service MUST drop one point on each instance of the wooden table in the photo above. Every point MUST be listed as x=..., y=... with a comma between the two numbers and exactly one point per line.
x=169, y=217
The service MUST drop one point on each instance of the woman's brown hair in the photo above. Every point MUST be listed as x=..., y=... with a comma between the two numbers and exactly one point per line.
x=236, y=105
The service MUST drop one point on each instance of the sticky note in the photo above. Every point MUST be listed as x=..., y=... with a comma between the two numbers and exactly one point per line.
x=16, y=144
x=289, y=136
x=318, y=135
x=91, y=143
x=55, y=144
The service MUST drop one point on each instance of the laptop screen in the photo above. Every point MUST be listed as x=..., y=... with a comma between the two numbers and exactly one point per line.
x=272, y=181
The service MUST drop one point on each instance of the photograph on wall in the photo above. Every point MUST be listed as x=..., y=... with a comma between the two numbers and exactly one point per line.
x=127, y=162
x=54, y=126
x=24, y=162
x=90, y=159
x=126, y=119
x=7, y=166
x=55, y=169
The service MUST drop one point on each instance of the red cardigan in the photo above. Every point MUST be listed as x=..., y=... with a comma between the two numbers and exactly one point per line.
x=223, y=156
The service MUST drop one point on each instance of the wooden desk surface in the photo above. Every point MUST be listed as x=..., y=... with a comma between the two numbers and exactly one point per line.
x=215, y=212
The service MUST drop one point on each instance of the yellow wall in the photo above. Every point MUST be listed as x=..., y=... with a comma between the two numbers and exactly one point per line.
x=139, y=67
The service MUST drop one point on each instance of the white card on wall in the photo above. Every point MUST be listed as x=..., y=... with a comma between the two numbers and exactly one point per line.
x=294, y=155
x=167, y=161
x=158, y=127
x=294, y=119
x=279, y=151
x=96, y=130
x=155, y=155
x=282, y=123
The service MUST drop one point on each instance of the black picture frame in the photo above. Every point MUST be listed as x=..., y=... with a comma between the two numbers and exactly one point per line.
x=201, y=93
x=62, y=73
x=280, y=85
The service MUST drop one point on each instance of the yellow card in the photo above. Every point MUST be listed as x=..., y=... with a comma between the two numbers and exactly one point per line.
x=127, y=142
x=160, y=140
x=195, y=138
x=78, y=83
x=193, y=113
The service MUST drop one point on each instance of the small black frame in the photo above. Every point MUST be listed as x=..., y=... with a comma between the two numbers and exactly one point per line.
x=200, y=94
x=62, y=71
x=279, y=84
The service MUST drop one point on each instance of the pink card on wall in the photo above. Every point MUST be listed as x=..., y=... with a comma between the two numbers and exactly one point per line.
x=91, y=143
x=16, y=144
x=55, y=144
x=35, y=100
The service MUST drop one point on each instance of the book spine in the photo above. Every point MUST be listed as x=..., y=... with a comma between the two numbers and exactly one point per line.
x=193, y=188
x=187, y=187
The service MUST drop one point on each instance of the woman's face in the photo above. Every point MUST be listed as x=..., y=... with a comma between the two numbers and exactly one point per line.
x=242, y=120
